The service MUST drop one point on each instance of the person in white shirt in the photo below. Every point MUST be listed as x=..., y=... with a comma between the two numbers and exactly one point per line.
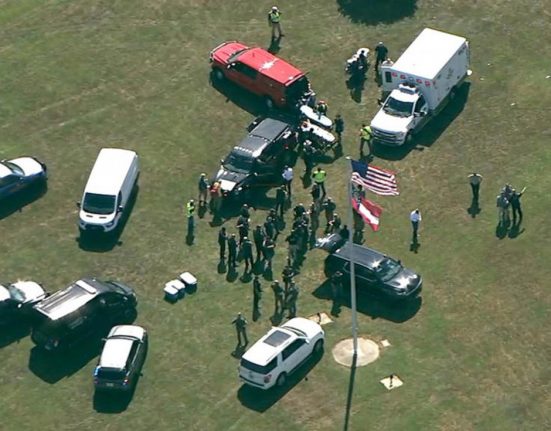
x=475, y=180
x=415, y=218
x=288, y=179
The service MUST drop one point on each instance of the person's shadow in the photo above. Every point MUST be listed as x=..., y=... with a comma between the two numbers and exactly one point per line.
x=238, y=351
x=474, y=209
x=502, y=229
x=274, y=46
x=222, y=268
x=277, y=318
x=415, y=246
x=515, y=230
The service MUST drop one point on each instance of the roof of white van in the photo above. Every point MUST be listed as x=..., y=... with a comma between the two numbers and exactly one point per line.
x=429, y=53
x=109, y=171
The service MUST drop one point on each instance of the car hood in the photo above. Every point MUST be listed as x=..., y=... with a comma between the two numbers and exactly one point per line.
x=390, y=123
x=224, y=52
x=29, y=166
x=229, y=179
x=305, y=325
x=404, y=279
x=99, y=219
x=32, y=291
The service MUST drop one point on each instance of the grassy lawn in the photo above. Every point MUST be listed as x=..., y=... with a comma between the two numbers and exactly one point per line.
x=80, y=75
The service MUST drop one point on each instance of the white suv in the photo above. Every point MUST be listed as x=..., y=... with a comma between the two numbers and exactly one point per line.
x=280, y=352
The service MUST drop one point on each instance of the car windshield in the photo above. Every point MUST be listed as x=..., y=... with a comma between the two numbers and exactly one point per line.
x=16, y=293
x=98, y=204
x=261, y=369
x=398, y=108
x=236, y=54
x=238, y=162
x=296, y=331
x=387, y=269
x=13, y=167
x=116, y=287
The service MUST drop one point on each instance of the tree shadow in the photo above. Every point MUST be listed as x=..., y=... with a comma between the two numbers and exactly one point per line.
x=22, y=199
x=100, y=242
x=16, y=330
x=373, y=306
x=431, y=132
x=373, y=12
x=261, y=400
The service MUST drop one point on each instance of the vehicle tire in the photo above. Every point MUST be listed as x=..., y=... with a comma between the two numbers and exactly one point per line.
x=318, y=347
x=217, y=74
x=269, y=103
x=409, y=138
x=281, y=380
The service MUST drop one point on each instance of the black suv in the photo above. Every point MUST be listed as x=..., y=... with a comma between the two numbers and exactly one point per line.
x=259, y=160
x=375, y=272
x=87, y=308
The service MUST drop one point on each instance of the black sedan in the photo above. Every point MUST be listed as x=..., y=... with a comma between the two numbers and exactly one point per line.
x=19, y=174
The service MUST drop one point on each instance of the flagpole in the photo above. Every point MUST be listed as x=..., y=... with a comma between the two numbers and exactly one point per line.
x=352, y=269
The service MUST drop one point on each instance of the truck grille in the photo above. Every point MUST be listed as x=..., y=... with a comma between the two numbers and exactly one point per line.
x=384, y=137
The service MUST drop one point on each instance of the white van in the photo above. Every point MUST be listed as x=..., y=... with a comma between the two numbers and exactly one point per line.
x=110, y=186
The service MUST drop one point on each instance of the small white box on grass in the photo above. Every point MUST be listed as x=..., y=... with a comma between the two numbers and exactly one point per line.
x=385, y=343
x=190, y=281
x=392, y=382
x=174, y=289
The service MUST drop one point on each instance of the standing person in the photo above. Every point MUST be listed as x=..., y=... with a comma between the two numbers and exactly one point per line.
x=287, y=179
x=292, y=240
x=291, y=299
x=245, y=211
x=269, y=251
x=241, y=327
x=329, y=209
x=243, y=228
x=502, y=204
x=334, y=224
x=475, y=180
x=215, y=199
x=314, y=214
x=257, y=298
x=515, y=205
x=247, y=253
x=203, y=187
x=319, y=178
x=258, y=237
x=281, y=197
x=381, y=51
x=365, y=138
x=274, y=20
x=288, y=273
x=339, y=127
x=269, y=225
x=321, y=108
x=279, y=297
x=190, y=211
x=316, y=193
x=232, y=251
x=415, y=218
x=222, y=239
x=308, y=155
x=336, y=285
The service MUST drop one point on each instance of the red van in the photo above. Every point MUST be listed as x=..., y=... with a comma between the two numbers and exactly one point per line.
x=262, y=73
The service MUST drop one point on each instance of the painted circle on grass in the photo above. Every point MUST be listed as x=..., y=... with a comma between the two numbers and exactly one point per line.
x=368, y=352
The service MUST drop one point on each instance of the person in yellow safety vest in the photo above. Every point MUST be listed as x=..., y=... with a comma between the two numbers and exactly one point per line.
x=319, y=177
x=274, y=19
x=365, y=137
x=190, y=210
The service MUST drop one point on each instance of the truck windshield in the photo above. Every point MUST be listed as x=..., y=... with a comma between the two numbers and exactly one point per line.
x=238, y=162
x=387, y=269
x=398, y=108
x=98, y=204
x=16, y=294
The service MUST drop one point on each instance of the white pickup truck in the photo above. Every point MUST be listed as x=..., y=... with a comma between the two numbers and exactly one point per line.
x=425, y=77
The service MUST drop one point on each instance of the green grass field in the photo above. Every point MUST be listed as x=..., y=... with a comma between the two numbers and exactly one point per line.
x=78, y=75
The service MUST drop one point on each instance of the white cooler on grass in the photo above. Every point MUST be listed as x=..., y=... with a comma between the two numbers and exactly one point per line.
x=174, y=290
x=190, y=281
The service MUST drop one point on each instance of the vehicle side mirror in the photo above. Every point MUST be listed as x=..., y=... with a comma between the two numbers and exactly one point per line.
x=417, y=114
x=380, y=102
x=78, y=204
x=229, y=66
x=19, y=305
x=120, y=208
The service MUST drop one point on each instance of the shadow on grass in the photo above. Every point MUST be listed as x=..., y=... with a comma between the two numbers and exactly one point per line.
x=235, y=94
x=431, y=132
x=112, y=403
x=13, y=332
x=373, y=306
x=52, y=367
x=373, y=12
x=261, y=400
x=21, y=200
x=100, y=242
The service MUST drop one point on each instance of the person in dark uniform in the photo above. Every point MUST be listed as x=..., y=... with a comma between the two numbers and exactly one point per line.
x=222, y=239
x=232, y=251
x=243, y=228
x=308, y=155
x=291, y=299
x=288, y=273
x=269, y=227
x=241, y=327
x=247, y=253
x=329, y=208
x=279, y=297
x=515, y=205
x=381, y=52
x=258, y=237
x=336, y=285
x=257, y=298
x=269, y=251
x=281, y=197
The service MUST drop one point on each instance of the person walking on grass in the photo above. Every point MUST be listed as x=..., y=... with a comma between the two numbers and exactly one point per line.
x=415, y=218
x=247, y=253
x=381, y=52
x=279, y=297
x=475, y=180
x=257, y=298
x=291, y=299
x=274, y=21
x=241, y=327
x=319, y=177
x=190, y=211
x=365, y=138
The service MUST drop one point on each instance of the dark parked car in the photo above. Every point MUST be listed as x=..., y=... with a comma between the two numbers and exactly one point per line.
x=122, y=358
x=259, y=160
x=86, y=309
x=19, y=174
x=17, y=299
x=376, y=273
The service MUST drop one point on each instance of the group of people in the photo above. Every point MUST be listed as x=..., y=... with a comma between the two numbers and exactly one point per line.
x=509, y=200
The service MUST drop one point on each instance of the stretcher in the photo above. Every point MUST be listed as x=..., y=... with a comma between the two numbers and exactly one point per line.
x=315, y=117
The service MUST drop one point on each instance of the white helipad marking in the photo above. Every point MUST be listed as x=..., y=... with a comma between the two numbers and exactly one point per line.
x=368, y=351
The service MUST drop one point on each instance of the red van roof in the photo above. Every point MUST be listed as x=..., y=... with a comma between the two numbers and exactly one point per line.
x=270, y=65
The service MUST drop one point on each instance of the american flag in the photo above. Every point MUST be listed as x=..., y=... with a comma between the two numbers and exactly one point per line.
x=375, y=179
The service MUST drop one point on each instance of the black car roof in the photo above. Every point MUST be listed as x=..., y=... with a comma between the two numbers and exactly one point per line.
x=269, y=129
x=251, y=146
x=360, y=254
